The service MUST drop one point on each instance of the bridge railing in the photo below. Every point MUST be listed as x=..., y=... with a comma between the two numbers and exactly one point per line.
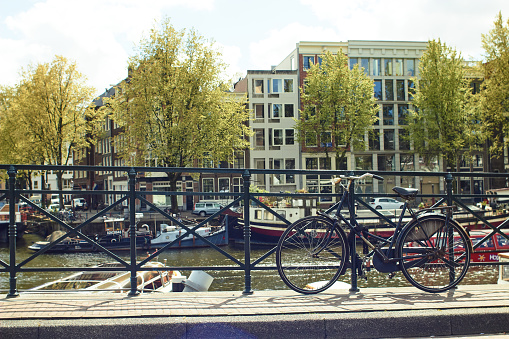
x=133, y=196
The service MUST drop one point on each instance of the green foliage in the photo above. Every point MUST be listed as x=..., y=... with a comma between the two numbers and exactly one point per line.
x=494, y=96
x=443, y=122
x=175, y=106
x=336, y=101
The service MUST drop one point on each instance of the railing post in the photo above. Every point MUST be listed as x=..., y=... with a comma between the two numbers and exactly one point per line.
x=246, y=176
x=13, y=291
x=448, y=187
x=132, y=230
x=353, y=238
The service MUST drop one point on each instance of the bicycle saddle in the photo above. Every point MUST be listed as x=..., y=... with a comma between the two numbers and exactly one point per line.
x=406, y=193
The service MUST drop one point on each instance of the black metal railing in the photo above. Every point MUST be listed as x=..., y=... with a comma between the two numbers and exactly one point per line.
x=244, y=198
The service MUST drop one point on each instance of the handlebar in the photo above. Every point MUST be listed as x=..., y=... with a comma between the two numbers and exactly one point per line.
x=353, y=177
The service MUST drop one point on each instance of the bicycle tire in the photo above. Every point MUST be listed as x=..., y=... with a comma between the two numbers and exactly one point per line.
x=435, y=256
x=309, y=258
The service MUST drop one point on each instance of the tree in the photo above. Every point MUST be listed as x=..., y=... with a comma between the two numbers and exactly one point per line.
x=175, y=107
x=443, y=122
x=48, y=115
x=337, y=104
x=495, y=93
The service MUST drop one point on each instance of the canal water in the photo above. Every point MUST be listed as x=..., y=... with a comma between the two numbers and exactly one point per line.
x=229, y=280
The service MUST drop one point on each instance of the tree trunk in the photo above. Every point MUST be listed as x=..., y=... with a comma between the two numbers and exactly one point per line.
x=173, y=178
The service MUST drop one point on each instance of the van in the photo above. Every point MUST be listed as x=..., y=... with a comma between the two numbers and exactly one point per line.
x=55, y=199
x=79, y=204
x=204, y=208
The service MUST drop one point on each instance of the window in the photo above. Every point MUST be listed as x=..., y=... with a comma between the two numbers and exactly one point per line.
x=410, y=89
x=278, y=137
x=353, y=62
x=277, y=85
x=276, y=111
x=404, y=140
x=258, y=86
x=398, y=67
x=290, y=165
x=238, y=159
x=288, y=110
x=308, y=61
x=378, y=89
x=259, y=179
x=288, y=86
x=389, y=139
x=208, y=186
x=311, y=139
x=277, y=164
x=376, y=67
x=224, y=186
x=326, y=139
x=364, y=162
x=386, y=163
x=259, y=134
x=374, y=140
x=389, y=90
x=259, y=108
x=400, y=90
x=365, y=65
x=402, y=114
x=406, y=162
x=388, y=115
x=319, y=183
x=388, y=67
x=410, y=67
x=238, y=184
x=289, y=136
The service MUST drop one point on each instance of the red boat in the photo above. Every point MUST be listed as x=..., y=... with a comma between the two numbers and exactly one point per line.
x=488, y=251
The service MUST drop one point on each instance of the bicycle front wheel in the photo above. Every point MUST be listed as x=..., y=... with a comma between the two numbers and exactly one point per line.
x=434, y=255
x=311, y=255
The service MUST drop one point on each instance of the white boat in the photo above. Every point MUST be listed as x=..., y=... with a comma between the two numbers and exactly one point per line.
x=169, y=233
x=115, y=281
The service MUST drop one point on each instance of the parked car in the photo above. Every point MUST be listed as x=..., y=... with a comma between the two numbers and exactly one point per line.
x=385, y=203
x=204, y=208
x=79, y=204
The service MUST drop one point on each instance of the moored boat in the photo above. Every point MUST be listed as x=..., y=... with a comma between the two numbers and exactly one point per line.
x=100, y=281
x=167, y=234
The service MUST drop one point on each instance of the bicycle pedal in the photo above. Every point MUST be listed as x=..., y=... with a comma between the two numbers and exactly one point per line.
x=391, y=275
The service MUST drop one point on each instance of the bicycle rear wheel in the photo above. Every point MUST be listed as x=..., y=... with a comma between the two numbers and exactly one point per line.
x=311, y=255
x=435, y=255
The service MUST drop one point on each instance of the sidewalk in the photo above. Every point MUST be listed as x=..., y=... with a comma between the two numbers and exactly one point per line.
x=370, y=313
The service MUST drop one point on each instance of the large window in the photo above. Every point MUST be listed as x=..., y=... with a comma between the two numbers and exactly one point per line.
x=388, y=67
x=319, y=183
x=289, y=136
x=377, y=67
x=378, y=89
x=365, y=65
x=276, y=111
x=410, y=89
x=353, y=62
x=398, y=67
x=277, y=86
x=311, y=139
x=389, y=139
x=388, y=115
x=400, y=90
x=259, y=108
x=208, y=186
x=259, y=135
x=386, y=163
x=374, y=140
x=410, y=67
x=289, y=111
x=389, y=90
x=326, y=139
x=278, y=137
x=238, y=159
x=307, y=61
x=276, y=178
x=288, y=86
x=259, y=179
x=404, y=140
x=402, y=114
x=364, y=162
x=258, y=86
x=406, y=162
x=290, y=165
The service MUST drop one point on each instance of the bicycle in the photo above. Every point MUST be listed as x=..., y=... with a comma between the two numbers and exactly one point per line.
x=432, y=250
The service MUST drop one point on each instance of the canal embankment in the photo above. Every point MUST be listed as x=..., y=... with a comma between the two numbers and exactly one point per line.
x=369, y=313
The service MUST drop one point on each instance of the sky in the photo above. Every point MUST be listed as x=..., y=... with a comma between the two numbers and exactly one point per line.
x=100, y=36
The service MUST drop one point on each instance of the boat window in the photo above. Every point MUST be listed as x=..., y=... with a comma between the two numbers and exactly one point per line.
x=268, y=215
x=487, y=243
x=502, y=241
x=258, y=215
